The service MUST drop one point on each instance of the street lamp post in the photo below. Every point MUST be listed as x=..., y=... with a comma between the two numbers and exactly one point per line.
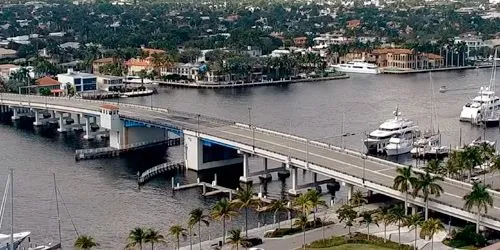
x=307, y=153
x=198, y=124
x=342, y=132
x=151, y=101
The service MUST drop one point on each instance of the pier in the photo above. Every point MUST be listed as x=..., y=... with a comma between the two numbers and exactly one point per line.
x=213, y=85
x=159, y=169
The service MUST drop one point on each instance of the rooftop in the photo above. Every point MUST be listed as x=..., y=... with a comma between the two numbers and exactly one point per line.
x=47, y=81
x=105, y=60
x=76, y=74
x=392, y=51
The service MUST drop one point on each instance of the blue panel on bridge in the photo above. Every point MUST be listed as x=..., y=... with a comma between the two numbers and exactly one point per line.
x=128, y=123
x=209, y=143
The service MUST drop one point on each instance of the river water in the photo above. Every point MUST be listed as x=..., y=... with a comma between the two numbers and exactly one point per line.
x=101, y=197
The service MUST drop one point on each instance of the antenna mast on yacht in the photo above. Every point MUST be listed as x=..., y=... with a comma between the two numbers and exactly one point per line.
x=12, y=209
x=494, y=70
x=57, y=209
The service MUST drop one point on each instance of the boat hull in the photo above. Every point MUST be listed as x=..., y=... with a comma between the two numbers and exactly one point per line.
x=397, y=151
x=358, y=71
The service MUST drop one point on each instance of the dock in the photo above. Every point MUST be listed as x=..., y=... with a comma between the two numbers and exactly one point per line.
x=108, y=152
x=159, y=169
x=415, y=71
x=213, y=85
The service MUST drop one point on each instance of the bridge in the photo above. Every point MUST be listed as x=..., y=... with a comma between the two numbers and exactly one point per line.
x=211, y=142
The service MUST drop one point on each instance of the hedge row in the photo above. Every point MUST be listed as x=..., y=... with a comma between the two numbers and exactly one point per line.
x=358, y=238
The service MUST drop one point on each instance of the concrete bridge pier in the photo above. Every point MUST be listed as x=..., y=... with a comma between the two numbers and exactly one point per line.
x=15, y=113
x=88, y=131
x=294, y=174
x=350, y=190
x=62, y=124
x=245, y=178
x=38, y=121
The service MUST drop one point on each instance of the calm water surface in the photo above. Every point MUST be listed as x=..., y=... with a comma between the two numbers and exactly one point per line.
x=102, y=197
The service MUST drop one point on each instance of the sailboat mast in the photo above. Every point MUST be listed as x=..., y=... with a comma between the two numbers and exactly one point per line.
x=12, y=209
x=57, y=209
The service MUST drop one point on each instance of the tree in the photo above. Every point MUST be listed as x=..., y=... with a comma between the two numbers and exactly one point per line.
x=357, y=198
x=222, y=211
x=471, y=157
x=277, y=207
x=85, y=242
x=480, y=198
x=434, y=166
x=315, y=200
x=235, y=238
x=453, y=165
x=427, y=184
x=412, y=222
x=154, y=237
x=398, y=217
x=347, y=215
x=383, y=215
x=142, y=74
x=44, y=91
x=245, y=200
x=303, y=203
x=136, y=237
x=431, y=227
x=196, y=216
x=368, y=219
x=177, y=231
x=404, y=182
x=301, y=222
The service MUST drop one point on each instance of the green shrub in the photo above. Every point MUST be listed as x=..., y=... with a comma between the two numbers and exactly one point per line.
x=289, y=231
x=357, y=238
x=467, y=237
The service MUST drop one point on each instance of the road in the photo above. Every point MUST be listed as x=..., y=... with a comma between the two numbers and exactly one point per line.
x=375, y=171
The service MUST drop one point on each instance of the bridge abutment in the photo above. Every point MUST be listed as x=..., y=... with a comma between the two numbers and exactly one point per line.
x=294, y=176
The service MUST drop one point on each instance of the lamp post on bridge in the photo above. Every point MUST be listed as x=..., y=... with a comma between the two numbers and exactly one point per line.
x=251, y=127
x=198, y=124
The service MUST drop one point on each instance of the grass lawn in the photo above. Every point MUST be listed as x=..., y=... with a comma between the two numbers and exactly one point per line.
x=354, y=247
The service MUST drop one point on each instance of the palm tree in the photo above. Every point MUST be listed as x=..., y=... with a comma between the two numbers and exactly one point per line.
x=346, y=213
x=301, y=222
x=427, y=184
x=471, y=157
x=434, y=166
x=404, y=182
x=222, y=211
x=454, y=164
x=85, y=242
x=480, y=198
x=315, y=200
x=177, y=231
x=368, y=218
x=154, y=237
x=303, y=203
x=196, y=216
x=397, y=216
x=358, y=199
x=136, y=237
x=245, y=200
x=383, y=215
x=413, y=221
x=142, y=74
x=277, y=207
x=235, y=238
x=431, y=227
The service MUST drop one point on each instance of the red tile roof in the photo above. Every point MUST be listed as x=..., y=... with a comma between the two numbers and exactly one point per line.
x=47, y=81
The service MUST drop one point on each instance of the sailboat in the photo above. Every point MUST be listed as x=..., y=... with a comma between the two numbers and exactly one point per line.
x=492, y=116
x=51, y=246
x=429, y=142
x=10, y=241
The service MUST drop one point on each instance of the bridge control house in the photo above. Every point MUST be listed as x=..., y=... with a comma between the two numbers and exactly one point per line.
x=81, y=81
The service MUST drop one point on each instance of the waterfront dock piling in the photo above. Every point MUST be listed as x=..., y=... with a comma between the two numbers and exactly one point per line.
x=159, y=169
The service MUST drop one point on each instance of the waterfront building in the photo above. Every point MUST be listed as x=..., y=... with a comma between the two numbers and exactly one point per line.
x=96, y=64
x=109, y=83
x=186, y=70
x=81, y=81
x=49, y=83
x=6, y=70
x=300, y=41
x=405, y=59
x=472, y=41
x=135, y=65
x=325, y=40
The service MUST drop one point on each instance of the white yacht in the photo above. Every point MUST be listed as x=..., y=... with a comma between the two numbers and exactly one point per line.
x=399, y=146
x=18, y=238
x=485, y=102
x=396, y=127
x=357, y=66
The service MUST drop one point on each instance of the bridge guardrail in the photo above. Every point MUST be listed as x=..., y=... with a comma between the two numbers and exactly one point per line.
x=295, y=160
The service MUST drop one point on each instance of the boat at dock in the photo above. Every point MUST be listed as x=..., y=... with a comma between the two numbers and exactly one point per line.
x=357, y=66
x=136, y=93
x=378, y=139
x=399, y=146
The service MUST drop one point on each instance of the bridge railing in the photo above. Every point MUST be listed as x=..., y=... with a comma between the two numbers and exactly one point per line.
x=359, y=181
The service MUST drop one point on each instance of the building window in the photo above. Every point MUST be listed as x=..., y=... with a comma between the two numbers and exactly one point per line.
x=78, y=81
x=78, y=88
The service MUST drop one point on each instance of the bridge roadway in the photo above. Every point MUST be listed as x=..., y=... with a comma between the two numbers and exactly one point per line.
x=344, y=165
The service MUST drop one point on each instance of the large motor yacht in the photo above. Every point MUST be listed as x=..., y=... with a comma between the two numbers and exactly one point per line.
x=357, y=66
x=396, y=127
x=485, y=103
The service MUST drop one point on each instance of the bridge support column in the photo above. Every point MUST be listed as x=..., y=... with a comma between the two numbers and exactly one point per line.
x=293, y=189
x=265, y=164
x=349, y=189
x=245, y=178
x=15, y=113
x=37, y=121
x=88, y=130
x=62, y=126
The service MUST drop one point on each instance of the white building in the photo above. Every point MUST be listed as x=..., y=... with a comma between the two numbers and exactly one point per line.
x=473, y=42
x=109, y=83
x=7, y=53
x=325, y=40
x=280, y=52
x=81, y=81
